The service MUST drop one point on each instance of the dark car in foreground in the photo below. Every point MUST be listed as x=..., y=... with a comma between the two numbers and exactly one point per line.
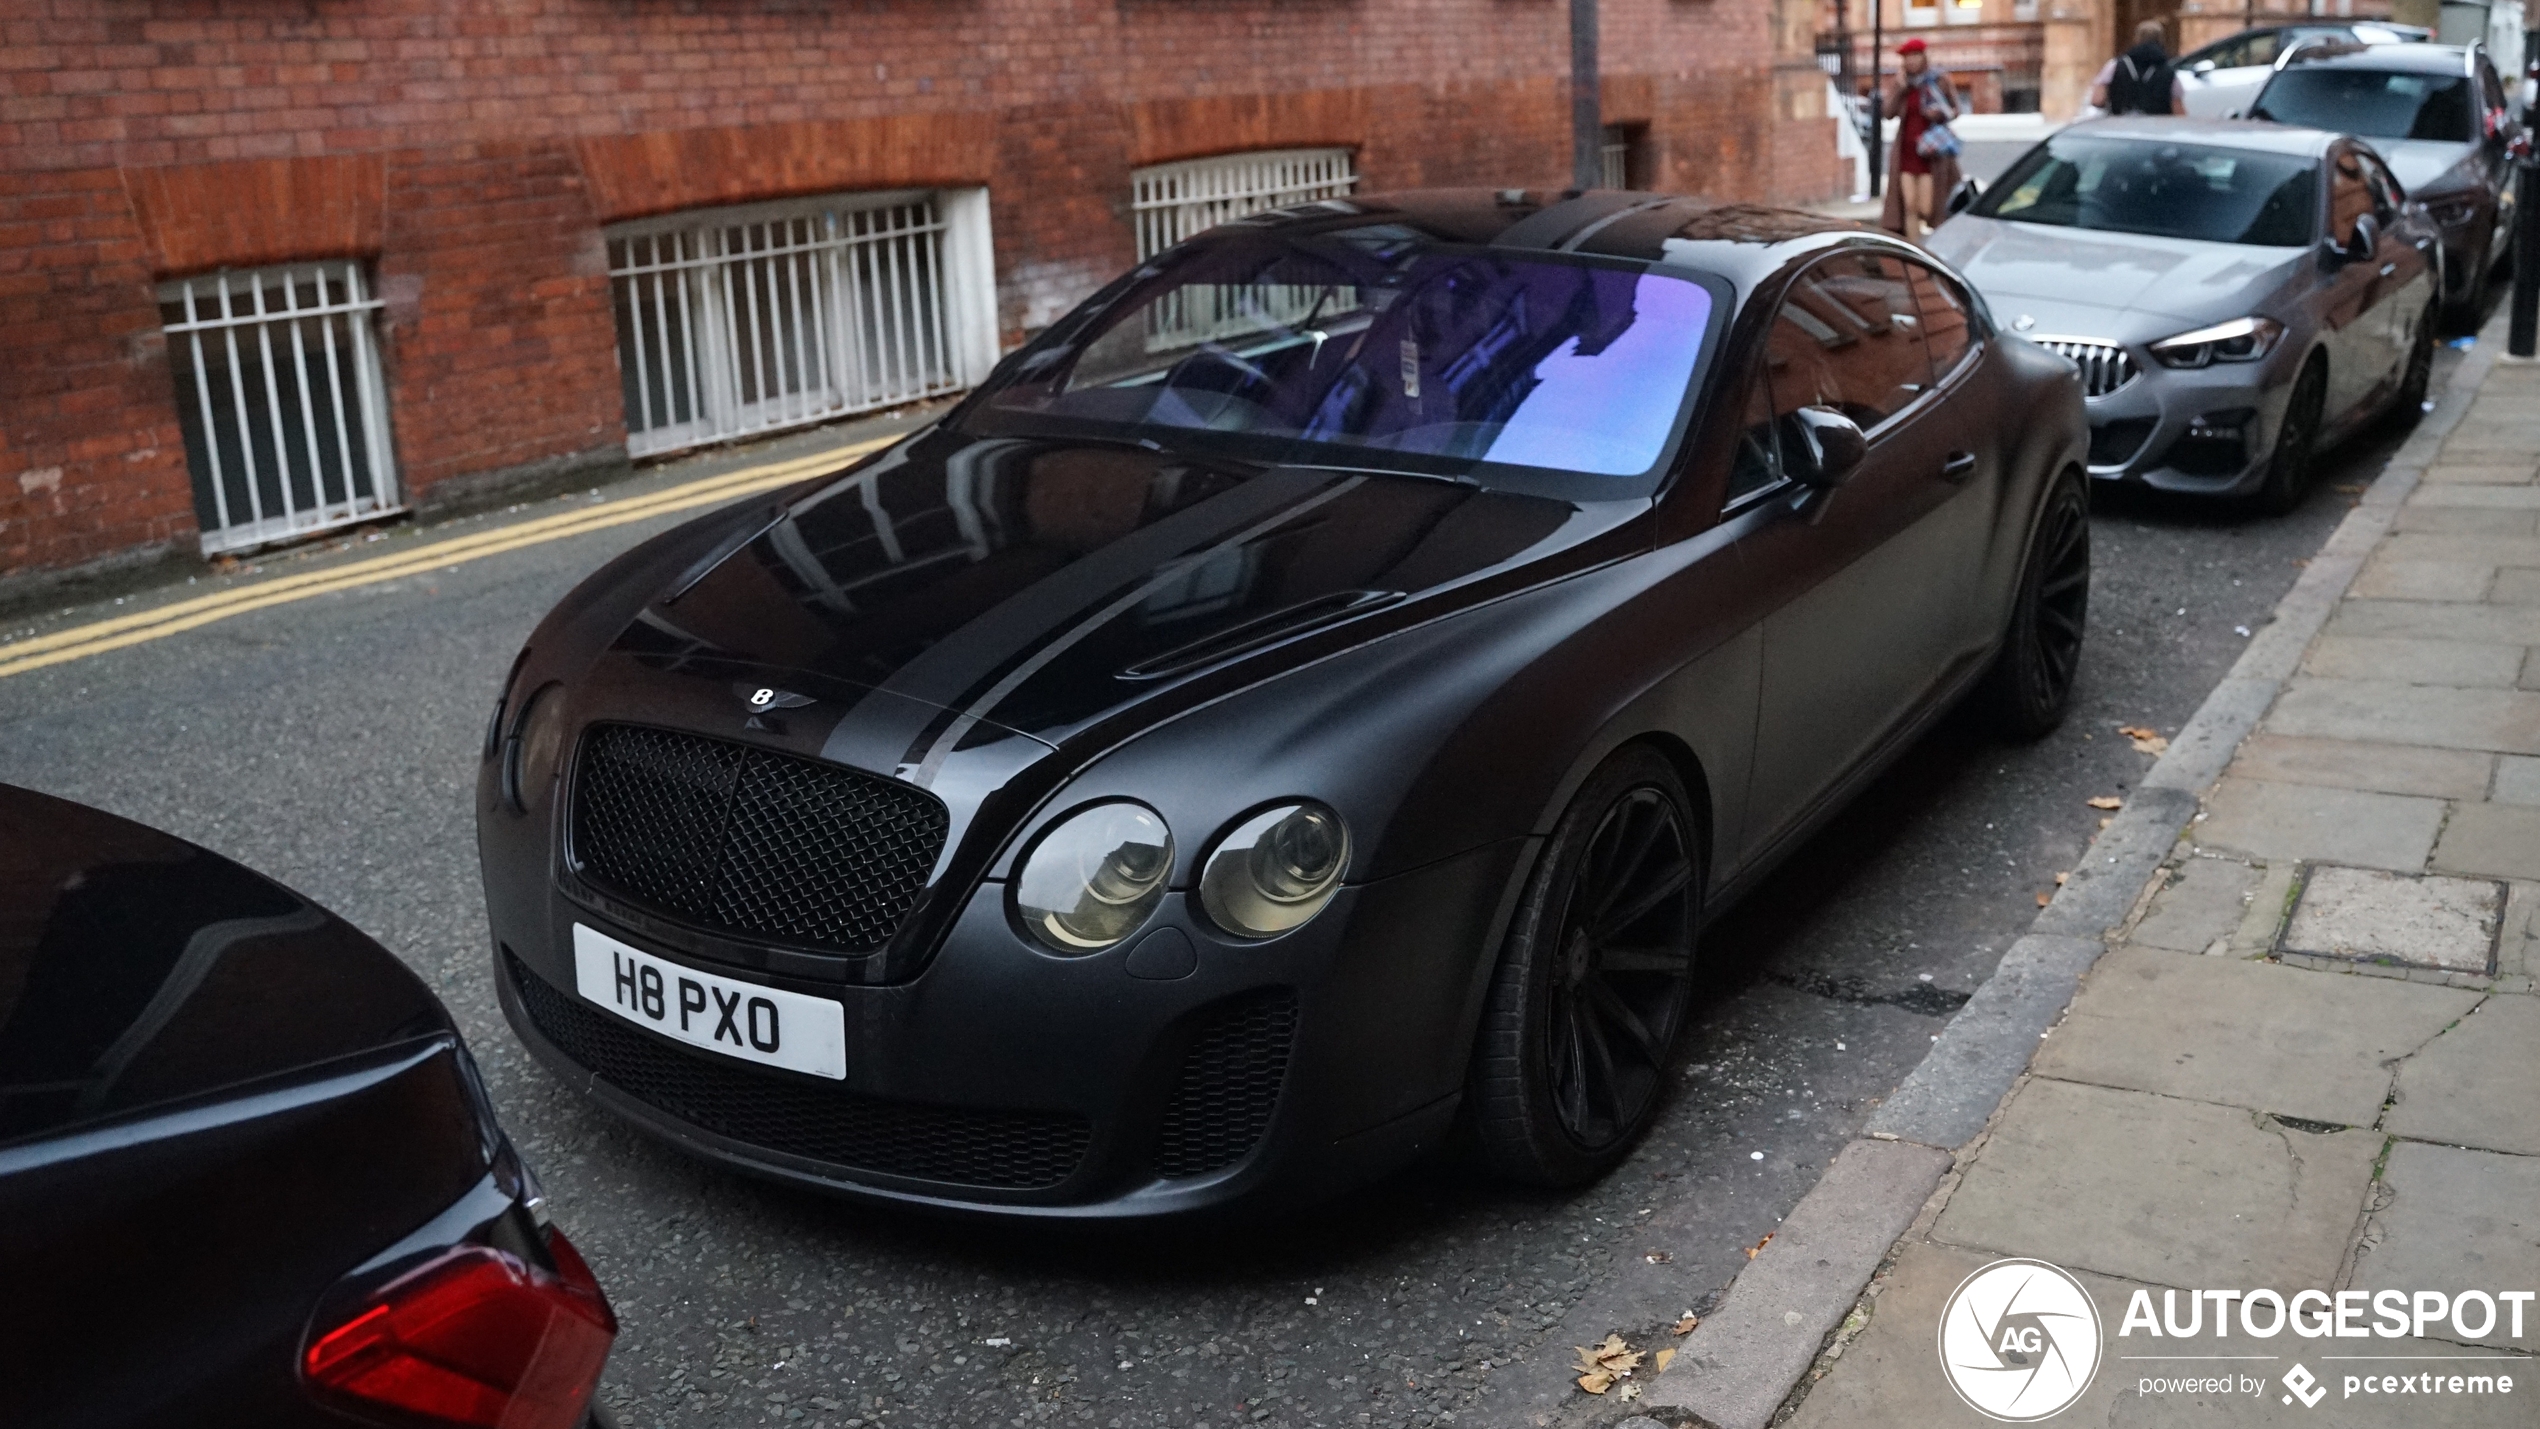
x=248, y=1176
x=1317, y=690
x=2238, y=295
x=2438, y=115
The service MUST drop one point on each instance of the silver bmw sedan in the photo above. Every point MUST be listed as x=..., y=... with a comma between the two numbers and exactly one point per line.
x=2236, y=294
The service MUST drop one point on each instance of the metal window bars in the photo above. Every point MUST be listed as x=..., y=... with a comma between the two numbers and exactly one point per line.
x=778, y=315
x=1614, y=157
x=1172, y=202
x=281, y=401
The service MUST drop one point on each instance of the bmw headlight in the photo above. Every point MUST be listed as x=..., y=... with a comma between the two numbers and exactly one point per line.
x=1093, y=879
x=1275, y=870
x=2239, y=340
x=2453, y=210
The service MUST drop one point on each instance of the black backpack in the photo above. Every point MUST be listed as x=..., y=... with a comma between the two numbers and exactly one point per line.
x=2141, y=84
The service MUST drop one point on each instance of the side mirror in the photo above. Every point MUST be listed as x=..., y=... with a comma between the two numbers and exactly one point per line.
x=2357, y=245
x=1827, y=448
x=2202, y=67
x=1964, y=196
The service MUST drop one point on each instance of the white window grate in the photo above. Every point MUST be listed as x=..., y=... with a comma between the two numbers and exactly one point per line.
x=769, y=316
x=1174, y=201
x=1614, y=158
x=279, y=393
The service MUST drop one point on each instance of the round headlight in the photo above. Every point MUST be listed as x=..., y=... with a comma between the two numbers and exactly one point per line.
x=1276, y=870
x=529, y=760
x=1093, y=880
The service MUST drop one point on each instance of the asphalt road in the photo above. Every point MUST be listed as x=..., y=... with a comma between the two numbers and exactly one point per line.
x=331, y=744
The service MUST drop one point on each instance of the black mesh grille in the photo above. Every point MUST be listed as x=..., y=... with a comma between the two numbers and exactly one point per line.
x=762, y=844
x=1004, y=1150
x=1230, y=1083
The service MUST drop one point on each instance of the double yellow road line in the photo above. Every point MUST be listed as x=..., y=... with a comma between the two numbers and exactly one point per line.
x=159, y=622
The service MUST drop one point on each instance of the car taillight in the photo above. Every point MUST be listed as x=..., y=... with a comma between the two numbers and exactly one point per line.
x=473, y=1337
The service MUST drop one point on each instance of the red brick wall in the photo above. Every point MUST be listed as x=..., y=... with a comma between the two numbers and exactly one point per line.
x=472, y=150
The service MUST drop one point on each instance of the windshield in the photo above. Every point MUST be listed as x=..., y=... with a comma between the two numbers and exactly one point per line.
x=1377, y=347
x=2172, y=190
x=2375, y=104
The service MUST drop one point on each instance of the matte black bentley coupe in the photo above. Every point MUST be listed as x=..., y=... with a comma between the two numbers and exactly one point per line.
x=248, y=1176
x=1317, y=690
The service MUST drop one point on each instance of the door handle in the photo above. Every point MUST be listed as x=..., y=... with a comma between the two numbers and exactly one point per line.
x=2389, y=268
x=1958, y=467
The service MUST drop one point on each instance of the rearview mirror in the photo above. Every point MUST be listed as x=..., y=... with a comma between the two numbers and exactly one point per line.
x=2359, y=242
x=1826, y=447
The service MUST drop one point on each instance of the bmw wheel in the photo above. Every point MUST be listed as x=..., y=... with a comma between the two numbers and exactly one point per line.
x=2289, y=467
x=2031, y=683
x=2418, y=378
x=1594, y=983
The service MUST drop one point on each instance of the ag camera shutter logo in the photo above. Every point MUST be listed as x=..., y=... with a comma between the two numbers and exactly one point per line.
x=2019, y=1341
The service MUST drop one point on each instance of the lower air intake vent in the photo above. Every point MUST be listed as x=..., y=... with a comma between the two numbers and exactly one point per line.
x=1230, y=1085
x=1000, y=1150
x=2115, y=443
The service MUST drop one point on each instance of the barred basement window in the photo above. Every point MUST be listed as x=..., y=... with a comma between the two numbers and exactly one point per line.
x=752, y=319
x=1174, y=201
x=279, y=393
x=1614, y=154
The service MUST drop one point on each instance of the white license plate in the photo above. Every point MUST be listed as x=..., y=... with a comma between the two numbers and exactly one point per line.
x=747, y=1020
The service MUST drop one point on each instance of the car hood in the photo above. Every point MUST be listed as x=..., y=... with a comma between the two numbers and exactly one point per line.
x=2020, y=265
x=2421, y=164
x=137, y=970
x=962, y=588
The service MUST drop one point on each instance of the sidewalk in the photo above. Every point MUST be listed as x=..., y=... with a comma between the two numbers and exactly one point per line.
x=2304, y=1057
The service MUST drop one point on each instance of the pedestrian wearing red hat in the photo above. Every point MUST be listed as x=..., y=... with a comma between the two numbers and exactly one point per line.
x=1925, y=163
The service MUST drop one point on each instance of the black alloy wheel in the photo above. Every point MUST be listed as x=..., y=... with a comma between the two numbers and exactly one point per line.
x=2289, y=467
x=1592, y=989
x=2031, y=683
x=2469, y=306
x=2408, y=407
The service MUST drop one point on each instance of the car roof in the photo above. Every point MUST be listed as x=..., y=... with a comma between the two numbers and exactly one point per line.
x=2253, y=134
x=1743, y=243
x=2416, y=58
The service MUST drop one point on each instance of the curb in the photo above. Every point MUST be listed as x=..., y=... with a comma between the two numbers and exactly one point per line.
x=1739, y=1365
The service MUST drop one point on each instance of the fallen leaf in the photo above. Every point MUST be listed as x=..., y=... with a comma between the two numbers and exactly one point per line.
x=2105, y=801
x=1683, y=1327
x=1630, y=1391
x=2147, y=741
x=2043, y=900
x=1662, y=1359
x=2103, y=823
x=1596, y=1381
x=2062, y=878
x=1758, y=1248
x=1659, y=1257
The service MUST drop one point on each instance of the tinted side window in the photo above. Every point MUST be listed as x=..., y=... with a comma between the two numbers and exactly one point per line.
x=1948, y=323
x=2386, y=196
x=1758, y=461
x=1849, y=336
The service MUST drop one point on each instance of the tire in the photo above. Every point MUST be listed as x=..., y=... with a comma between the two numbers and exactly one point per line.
x=2463, y=314
x=2408, y=407
x=2289, y=466
x=1592, y=987
x=2030, y=687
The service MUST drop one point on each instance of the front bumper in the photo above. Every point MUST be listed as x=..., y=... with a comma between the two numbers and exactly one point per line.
x=2155, y=431
x=1004, y=1080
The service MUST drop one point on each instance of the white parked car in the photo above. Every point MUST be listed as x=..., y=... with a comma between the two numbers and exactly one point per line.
x=2221, y=79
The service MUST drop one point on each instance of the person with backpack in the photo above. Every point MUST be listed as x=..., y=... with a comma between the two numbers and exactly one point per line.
x=1925, y=164
x=2142, y=80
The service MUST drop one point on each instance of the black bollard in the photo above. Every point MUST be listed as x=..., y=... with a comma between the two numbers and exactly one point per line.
x=2524, y=333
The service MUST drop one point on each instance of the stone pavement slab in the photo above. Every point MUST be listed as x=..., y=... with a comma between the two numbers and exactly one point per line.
x=2205, y=899
x=2517, y=780
x=2415, y=662
x=2255, y=1035
x=2459, y=1220
x=2500, y=840
x=2303, y=821
x=2162, y=1190
x=2395, y=713
x=2434, y=620
x=2369, y=915
x=1890, y=1374
x=2479, y=1083
x=2377, y=768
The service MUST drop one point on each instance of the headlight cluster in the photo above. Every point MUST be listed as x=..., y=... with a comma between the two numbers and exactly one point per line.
x=2453, y=210
x=1094, y=878
x=530, y=754
x=2239, y=340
